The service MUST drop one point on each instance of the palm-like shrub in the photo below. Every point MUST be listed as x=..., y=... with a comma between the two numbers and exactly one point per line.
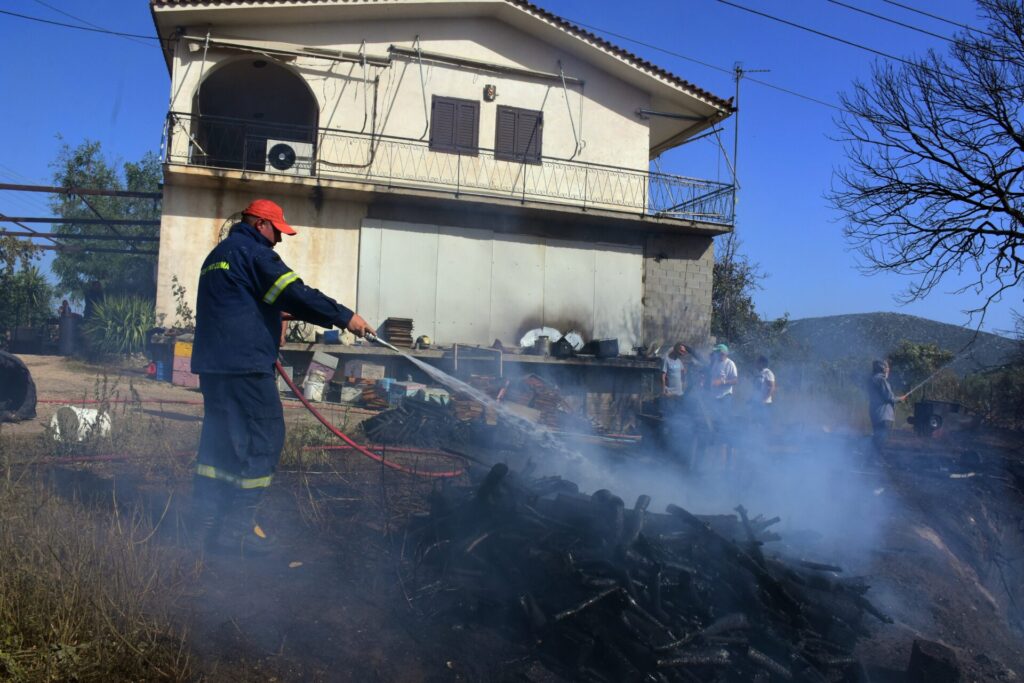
x=119, y=324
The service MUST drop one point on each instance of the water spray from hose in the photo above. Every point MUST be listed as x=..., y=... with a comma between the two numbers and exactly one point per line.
x=942, y=367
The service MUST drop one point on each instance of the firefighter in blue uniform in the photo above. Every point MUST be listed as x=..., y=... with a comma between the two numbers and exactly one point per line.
x=244, y=288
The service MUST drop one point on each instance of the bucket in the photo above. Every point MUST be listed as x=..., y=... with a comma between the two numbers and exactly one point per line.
x=542, y=347
x=71, y=423
x=313, y=385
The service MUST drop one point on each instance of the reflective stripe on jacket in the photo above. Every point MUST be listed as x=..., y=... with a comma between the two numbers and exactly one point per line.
x=243, y=288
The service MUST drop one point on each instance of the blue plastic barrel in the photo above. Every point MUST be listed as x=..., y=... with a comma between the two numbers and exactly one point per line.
x=163, y=371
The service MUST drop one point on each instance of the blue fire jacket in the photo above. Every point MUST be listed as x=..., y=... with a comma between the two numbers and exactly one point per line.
x=243, y=288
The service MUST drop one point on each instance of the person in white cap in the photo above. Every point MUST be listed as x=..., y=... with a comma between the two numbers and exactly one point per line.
x=724, y=377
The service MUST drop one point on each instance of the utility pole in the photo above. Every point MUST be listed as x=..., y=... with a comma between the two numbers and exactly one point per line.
x=727, y=261
x=738, y=73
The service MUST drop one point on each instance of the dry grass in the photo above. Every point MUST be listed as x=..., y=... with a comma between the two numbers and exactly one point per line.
x=85, y=596
x=86, y=592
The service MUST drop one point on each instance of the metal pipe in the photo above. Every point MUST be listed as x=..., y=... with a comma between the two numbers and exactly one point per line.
x=78, y=221
x=482, y=66
x=8, y=233
x=91, y=250
x=80, y=191
x=647, y=113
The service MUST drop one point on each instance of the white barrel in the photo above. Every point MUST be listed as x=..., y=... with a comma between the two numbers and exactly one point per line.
x=71, y=423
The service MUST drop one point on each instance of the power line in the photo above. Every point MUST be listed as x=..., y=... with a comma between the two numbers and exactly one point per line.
x=974, y=46
x=816, y=32
x=687, y=58
x=715, y=67
x=844, y=41
x=87, y=23
x=938, y=18
x=80, y=28
x=883, y=18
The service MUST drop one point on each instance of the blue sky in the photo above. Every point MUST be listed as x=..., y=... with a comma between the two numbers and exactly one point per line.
x=88, y=85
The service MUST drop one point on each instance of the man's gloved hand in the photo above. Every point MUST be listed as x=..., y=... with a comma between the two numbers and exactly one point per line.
x=360, y=327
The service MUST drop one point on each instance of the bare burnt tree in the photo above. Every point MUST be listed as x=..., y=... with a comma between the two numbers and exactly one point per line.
x=935, y=149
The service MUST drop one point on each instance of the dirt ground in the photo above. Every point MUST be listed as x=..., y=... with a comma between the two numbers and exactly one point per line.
x=331, y=603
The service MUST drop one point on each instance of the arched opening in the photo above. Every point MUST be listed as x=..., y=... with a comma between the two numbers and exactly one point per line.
x=245, y=108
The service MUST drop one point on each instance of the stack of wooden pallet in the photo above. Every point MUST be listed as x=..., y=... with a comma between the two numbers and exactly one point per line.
x=375, y=397
x=547, y=400
x=398, y=332
x=466, y=407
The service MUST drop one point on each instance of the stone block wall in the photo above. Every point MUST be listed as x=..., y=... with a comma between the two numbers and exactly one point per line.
x=677, y=289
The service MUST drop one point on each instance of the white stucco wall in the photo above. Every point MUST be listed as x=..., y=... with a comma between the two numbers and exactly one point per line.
x=475, y=285
x=603, y=109
x=325, y=252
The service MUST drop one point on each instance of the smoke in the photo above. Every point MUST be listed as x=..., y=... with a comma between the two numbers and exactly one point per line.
x=828, y=503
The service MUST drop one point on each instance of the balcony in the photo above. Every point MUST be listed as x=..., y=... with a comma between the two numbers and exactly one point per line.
x=331, y=154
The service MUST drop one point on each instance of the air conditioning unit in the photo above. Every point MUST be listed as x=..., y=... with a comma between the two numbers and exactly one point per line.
x=289, y=156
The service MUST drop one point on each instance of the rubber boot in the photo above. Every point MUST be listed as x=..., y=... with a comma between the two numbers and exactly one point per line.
x=248, y=537
x=211, y=502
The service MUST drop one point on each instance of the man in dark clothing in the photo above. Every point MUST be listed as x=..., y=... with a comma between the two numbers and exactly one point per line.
x=244, y=287
x=881, y=405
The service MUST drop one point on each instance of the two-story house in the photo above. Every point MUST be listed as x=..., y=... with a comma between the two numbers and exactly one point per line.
x=479, y=166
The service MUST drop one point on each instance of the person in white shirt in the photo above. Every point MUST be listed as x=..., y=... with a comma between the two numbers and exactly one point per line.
x=673, y=371
x=724, y=377
x=763, y=395
x=765, y=383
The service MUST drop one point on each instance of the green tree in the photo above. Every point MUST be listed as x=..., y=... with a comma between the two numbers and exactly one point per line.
x=912, y=362
x=14, y=253
x=86, y=166
x=28, y=298
x=734, y=317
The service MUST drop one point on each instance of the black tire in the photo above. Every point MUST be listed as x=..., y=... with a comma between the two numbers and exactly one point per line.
x=17, y=390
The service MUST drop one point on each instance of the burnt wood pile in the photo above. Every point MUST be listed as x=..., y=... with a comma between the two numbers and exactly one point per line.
x=416, y=422
x=609, y=593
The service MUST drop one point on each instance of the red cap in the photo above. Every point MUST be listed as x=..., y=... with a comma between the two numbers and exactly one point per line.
x=264, y=208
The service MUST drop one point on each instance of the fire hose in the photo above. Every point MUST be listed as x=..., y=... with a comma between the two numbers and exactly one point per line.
x=355, y=446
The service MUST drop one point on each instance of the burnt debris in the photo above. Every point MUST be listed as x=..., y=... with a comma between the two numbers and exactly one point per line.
x=417, y=422
x=607, y=592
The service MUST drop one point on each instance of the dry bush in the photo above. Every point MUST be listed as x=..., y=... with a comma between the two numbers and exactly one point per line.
x=84, y=596
x=134, y=429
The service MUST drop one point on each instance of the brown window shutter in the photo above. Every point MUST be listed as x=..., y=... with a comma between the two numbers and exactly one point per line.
x=455, y=125
x=442, y=124
x=505, y=134
x=528, y=134
x=467, y=127
x=517, y=135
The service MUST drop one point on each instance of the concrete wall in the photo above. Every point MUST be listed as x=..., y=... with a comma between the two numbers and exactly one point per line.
x=474, y=285
x=325, y=252
x=676, y=278
x=603, y=110
x=677, y=289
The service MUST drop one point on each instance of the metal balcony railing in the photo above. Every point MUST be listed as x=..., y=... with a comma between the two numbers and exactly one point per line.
x=327, y=153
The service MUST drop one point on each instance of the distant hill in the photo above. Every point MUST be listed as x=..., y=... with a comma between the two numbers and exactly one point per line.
x=865, y=336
